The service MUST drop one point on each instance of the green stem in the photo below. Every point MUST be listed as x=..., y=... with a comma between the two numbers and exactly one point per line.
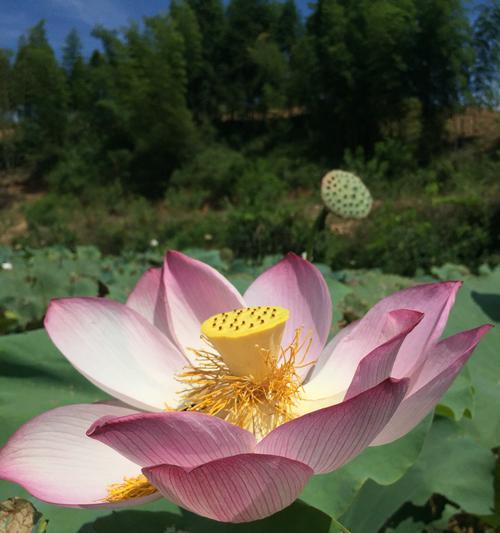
x=319, y=225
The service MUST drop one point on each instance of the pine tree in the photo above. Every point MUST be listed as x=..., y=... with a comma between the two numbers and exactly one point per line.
x=443, y=57
x=247, y=20
x=39, y=91
x=209, y=88
x=76, y=72
x=187, y=25
x=288, y=27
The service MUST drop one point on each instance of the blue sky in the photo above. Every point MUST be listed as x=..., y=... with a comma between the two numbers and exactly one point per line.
x=62, y=15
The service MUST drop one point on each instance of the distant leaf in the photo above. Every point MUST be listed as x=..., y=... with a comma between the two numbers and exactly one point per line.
x=333, y=493
x=451, y=463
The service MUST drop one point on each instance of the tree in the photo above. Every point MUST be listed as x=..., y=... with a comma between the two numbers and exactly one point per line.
x=486, y=70
x=39, y=92
x=141, y=112
x=246, y=21
x=209, y=88
x=5, y=89
x=72, y=51
x=362, y=61
x=288, y=27
x=76, y=71
x=443, y=57
x=325, y=74
x=269, y=84
x=6, y=108
x=186, y=24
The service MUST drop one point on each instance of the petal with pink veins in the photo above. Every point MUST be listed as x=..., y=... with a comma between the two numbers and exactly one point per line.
x=117, y=349
x=185, y=439
x=442, y=365
x=435, y=300
x=341, y=360
x=328, y=438
x=194, y=292
x=377, y=365
x=296, y=285
x=241, y=488
x=53, y=459
x=148, y=299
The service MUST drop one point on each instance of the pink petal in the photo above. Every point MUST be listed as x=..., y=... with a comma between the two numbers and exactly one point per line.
x=377, y=365
x=330, y=437
x=194, y=292
x=53, y=459
x=435, y=301
x=341, y=358
x=442, y=365
x=329, y=349
x=241, y=488
x=297, y=285
x=148, y=299
x=116, y=349
x=185, y=439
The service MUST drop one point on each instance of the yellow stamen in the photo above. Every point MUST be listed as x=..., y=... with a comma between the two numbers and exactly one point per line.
x=247, y=339
x=131, y=487
x=258, y=405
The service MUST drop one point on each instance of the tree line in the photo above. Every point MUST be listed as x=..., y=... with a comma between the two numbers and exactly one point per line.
x=154, y=93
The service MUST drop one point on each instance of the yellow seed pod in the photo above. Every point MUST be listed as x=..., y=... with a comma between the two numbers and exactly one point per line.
x=248, y=339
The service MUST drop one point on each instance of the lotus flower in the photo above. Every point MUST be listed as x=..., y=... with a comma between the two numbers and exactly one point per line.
x=228, y=404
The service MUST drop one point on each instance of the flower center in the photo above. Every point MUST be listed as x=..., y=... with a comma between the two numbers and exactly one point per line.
x=249, y=379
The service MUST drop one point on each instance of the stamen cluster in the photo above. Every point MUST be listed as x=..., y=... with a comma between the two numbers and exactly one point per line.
x=258, y=406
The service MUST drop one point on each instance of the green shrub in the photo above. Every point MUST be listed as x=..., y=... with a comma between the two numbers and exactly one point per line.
x=252, y=234
x=296, y=172
x=391, y=160
x=215, y=170
x=258, y=186
x=76, y=170
x=104, y=217
x=402, y=240
x=48, y=220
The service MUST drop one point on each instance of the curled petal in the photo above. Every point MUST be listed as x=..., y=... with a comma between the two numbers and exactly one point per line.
x=194, y=292
x=360, y=351
x=330, y=437
x=297, y=285
x=241, y=488
x=53, y=459
x=442, y=365
x=377, y=365
x=185, y=439
x=435, y=300
x=116, y=349
x=148, y=299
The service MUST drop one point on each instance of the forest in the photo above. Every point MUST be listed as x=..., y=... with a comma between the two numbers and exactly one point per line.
x=212, y=124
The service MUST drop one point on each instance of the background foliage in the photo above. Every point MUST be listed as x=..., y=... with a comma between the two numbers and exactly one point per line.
x=211, y=125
